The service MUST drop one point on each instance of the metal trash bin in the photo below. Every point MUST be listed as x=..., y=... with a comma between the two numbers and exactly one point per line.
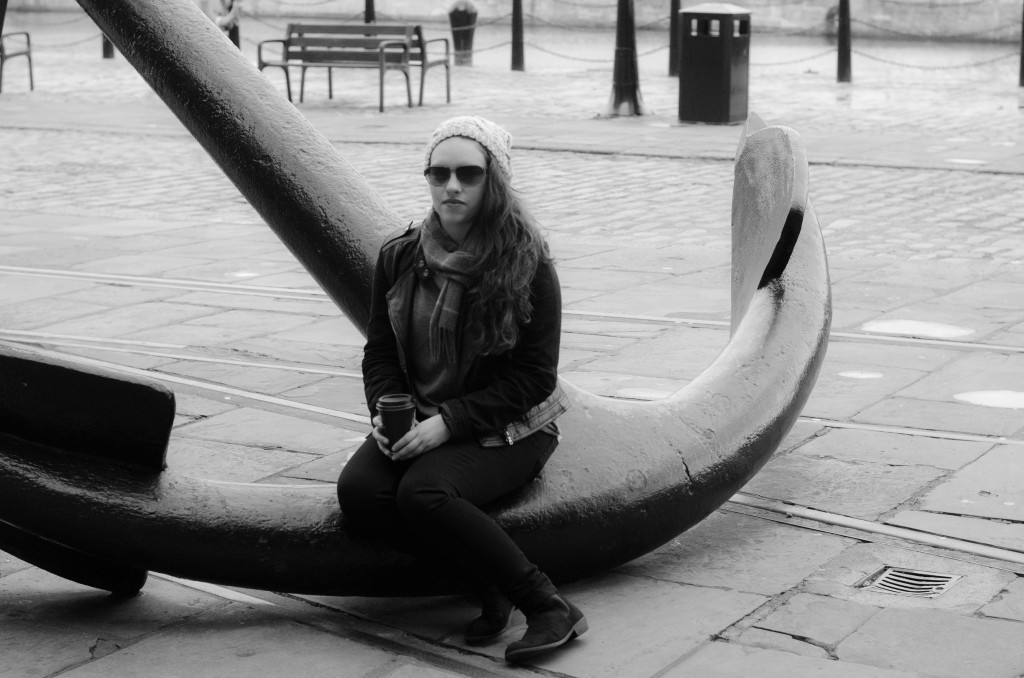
x=714, y=63
x=462, y=17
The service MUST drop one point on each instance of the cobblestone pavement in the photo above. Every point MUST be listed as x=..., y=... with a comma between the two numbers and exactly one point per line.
x=121, y=242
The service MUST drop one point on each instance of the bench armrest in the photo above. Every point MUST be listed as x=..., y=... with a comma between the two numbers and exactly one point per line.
x=444, y=40
x=447, y=50
x=24, y=34
x=16, y=50
x=259, y=50
x=388, y=44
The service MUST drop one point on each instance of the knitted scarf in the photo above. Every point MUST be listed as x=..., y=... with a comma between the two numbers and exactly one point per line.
x=442, y=257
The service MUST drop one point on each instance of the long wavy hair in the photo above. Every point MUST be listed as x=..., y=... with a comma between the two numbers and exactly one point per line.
x=511, y=247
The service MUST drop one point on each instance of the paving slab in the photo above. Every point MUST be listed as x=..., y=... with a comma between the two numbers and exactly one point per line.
x=41, y=312
x=728, y=660
x=18, y=290
x=50, y=624
x=937, y=643
x=871, y=354
x=844, y=389
x=941, y=416
x=239, y=642
x=1009, y=603
x=336, y=393
x=733, y=551
x=860, y=489
x=252, y=427
x=783, y=642
x=678, y=353
x=617, y=385
x=214, y=460
x=974, y=373
x=312, y=308
x=640, y=626
x=327, y=468
x=853, y=445
x=820, y=620
x=993, y=532
x=120, y=322
x=246, y=377
x=986, y=488
x=332, y=331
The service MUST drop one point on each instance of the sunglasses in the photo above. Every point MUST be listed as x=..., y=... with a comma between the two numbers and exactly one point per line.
x=468, y=175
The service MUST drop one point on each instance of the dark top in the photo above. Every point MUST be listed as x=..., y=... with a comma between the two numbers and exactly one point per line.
x=494, y=390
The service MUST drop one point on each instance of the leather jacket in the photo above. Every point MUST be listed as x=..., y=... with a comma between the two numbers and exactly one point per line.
x=503, y=397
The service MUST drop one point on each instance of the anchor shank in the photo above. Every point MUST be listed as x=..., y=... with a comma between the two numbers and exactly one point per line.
x=324, y=212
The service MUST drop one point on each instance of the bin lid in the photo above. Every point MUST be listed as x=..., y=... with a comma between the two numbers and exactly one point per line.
x=715, y=8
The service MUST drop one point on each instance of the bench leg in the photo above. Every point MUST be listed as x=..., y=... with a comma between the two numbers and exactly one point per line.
x=448, y=81
x=381, y=106
x=302, y=85
x=423, y=79
x=408, y=87
x=31, y=83
x=330, y=82
x=288, y=84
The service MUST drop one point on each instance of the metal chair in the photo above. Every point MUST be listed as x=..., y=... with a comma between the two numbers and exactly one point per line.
x=9, y=52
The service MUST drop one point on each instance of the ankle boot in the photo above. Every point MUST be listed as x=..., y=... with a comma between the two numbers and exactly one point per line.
x=550, y=625
x=495, y=617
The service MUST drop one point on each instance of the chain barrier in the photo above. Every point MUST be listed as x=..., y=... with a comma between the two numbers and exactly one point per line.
x=653, y=50
x=564, y=56
x=772, y=4
x=552, y=24
x=944, y=36
x=303, y=3
x=65, y=45
x=34, y=21
x=489, y=48
x=795, y=61
x=587, y=5
x=656, y=22
x=261, y=20
x=283, y=27
x=569, y=57
x=810, y=31
x=933, y=5
x=973, y=64
x=473, y=26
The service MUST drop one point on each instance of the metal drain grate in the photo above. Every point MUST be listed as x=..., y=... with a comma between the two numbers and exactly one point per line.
x=903, y=582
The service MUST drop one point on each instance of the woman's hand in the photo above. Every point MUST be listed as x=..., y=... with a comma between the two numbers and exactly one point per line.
x=422, y=437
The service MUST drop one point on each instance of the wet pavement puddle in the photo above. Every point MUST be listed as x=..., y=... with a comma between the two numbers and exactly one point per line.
x=1006, y=399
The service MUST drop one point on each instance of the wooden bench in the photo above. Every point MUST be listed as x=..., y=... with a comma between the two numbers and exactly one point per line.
x=10, y=50
x=382, y=46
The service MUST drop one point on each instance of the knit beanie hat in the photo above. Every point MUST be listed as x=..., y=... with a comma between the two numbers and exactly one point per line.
x=495, y=139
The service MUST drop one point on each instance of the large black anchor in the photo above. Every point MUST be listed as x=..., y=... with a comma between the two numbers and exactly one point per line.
x=84, y=491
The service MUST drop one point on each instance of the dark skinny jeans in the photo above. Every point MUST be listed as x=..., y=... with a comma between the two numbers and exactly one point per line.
x=433, y=501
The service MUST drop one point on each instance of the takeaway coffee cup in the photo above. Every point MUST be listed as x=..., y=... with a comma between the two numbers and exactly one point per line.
x=397, y=411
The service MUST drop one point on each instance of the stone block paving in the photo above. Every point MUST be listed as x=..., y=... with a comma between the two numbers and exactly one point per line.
x=122, y=243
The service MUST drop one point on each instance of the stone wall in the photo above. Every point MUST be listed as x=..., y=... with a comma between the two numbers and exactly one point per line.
x=981, y=20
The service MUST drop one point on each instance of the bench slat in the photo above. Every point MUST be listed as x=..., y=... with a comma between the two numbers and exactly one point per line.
x=346, y=43
x=350, y=29
x=343, y=57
